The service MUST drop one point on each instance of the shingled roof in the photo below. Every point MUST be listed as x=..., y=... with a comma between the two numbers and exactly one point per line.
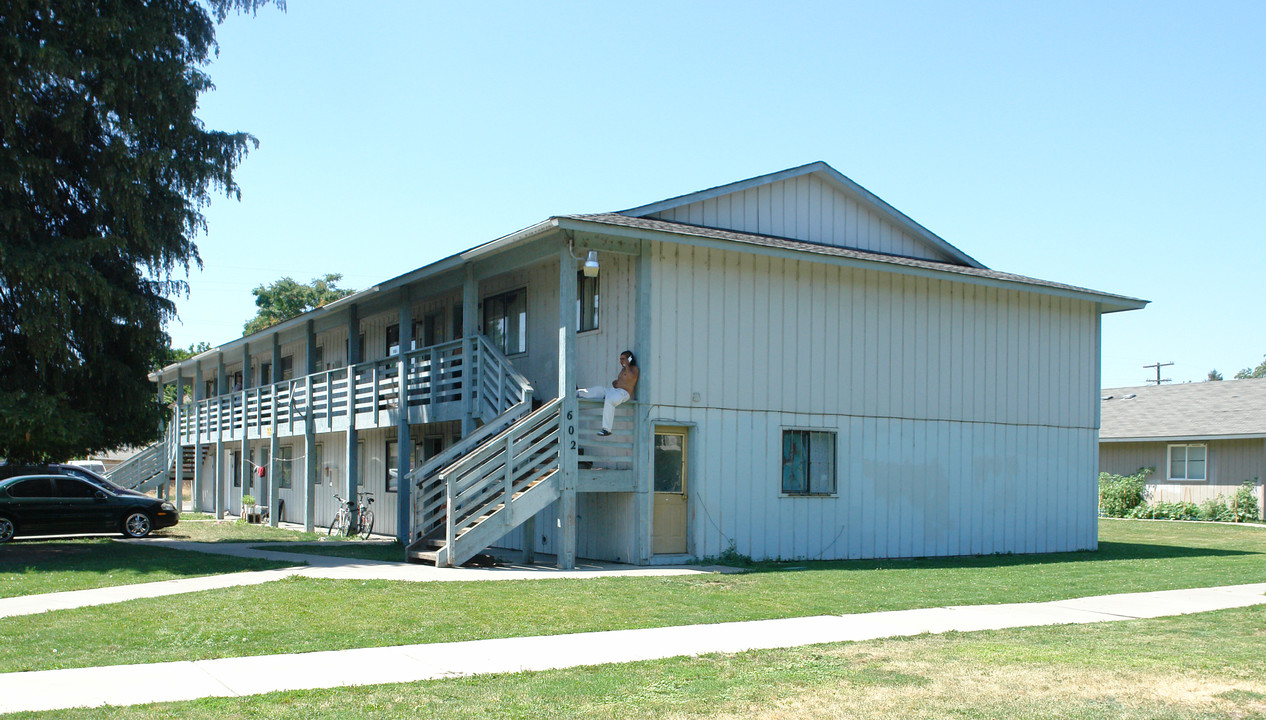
x=665, y=226
x=1190, y=411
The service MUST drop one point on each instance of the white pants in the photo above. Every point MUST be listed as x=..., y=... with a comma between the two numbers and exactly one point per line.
x=612, y=396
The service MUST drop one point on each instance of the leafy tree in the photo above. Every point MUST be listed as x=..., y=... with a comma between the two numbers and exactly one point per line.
x=104, y=171
x=286, y=298
x=175, y=355
x=1214, y=375
x=1249, y=373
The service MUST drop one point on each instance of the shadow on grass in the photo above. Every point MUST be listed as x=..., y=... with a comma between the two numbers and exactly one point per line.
x=1107, y=552
x=104, y=556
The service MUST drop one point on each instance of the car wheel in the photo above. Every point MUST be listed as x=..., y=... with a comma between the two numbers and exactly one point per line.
x=7, y=528
x=137, y=525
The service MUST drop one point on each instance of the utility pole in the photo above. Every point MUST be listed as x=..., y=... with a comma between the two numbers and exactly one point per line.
x=1158, y=365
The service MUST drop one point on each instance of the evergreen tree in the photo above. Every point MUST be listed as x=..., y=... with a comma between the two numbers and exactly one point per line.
x=104, y=170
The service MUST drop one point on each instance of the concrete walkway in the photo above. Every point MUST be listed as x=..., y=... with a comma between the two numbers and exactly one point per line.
x=319, y=566
x=135, y=684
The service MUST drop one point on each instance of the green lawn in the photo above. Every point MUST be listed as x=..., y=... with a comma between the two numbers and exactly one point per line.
x=29, y=567
x=209, y=529
x=1208, y=666
x=302, y=615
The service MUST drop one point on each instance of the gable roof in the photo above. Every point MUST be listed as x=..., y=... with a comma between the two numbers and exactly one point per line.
x=832, y=178
x=1189, y=411
x=880, y=261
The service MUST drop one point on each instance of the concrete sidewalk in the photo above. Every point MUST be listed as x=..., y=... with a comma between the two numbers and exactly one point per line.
x=135, y=684
x=319, y=566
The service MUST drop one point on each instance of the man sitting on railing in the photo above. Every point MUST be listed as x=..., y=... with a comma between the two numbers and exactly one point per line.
x=620, y=391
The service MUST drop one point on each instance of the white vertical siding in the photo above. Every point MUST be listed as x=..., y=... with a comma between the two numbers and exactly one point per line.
x=805, y=208
x=963, y=414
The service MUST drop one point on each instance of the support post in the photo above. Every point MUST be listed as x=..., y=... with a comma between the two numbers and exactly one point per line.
x=221, y=389
x=161, y=491
x=567, y=394
x=178, y=474
x=274, y=468
x=353, y=441
x=470, y=372
x=309, y=431
x=643, y=445
x=245, y=459
x=198, y=394
x=404, y=450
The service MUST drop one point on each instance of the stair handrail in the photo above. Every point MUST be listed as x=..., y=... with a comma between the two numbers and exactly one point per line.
x=496, y=478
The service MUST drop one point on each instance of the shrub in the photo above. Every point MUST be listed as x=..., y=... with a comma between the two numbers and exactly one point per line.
x=1119, y=495
x=1216, y=510
x=1244, y=504
x=1167, y=511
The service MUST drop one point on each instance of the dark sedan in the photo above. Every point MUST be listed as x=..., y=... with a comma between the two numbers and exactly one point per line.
x=48, y=504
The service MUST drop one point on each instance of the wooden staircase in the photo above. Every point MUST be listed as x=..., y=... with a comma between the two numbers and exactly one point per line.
x=486, y=485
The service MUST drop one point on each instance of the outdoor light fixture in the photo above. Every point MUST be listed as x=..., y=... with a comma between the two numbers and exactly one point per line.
x=591, y=264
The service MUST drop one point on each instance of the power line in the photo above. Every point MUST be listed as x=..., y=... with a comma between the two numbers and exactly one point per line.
x=1158, y=365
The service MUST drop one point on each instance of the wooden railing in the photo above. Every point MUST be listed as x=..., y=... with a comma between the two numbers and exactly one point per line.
x=148, y=464
x=488, y=480
x=433, y=376
x=614, y=452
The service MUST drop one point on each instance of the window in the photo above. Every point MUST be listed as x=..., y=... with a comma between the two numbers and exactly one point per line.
x=393, y=461
x=236, y=383
x=1187, y=462
x=74, y=488
x=586, y=302
x=209, y=389
x=505, y=321
x=235, y=459
x=457, y=322
x=393, y=340
x=285, y=459
x=288, y=365
x=808, y=462
x=265, y=373
x=432, y=329
x=35, y=487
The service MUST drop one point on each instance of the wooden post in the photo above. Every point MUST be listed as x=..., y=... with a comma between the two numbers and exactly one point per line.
x=178, y=472
x=353, y=441
x=198, y=394
x=470, y=369
x=404, y=451
x=161, y=490
x=309, y=431
x=643, y=445
x=221, y=390
x=567, y=394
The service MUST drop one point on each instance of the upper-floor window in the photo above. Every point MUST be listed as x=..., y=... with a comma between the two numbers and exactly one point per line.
x=505, y=321
x=393, y=340
x=1187, y=462
x=288, y=365
x=586, y=302
x=808, y=462
x=265, y=373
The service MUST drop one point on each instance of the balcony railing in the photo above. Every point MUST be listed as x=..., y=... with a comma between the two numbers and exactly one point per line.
x=436, y=384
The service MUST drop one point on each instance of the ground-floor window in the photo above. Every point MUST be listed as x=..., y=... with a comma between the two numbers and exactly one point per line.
x=808, y=462
x=285, y=458
x=319, y=459
x=1187, y=462
x=393, y=462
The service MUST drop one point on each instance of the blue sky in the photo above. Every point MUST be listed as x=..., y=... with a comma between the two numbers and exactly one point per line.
x=1117, y=146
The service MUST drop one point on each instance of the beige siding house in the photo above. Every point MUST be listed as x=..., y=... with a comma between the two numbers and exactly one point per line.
x=821, y=377
x=1204, y=439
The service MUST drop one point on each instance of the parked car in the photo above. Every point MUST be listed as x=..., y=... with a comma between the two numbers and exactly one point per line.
x=57, y=504
x=83, y=473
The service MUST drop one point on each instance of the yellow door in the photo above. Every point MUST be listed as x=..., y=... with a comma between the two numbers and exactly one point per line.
x=668, y=533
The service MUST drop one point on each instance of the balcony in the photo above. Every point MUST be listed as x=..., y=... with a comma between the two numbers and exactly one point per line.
x=438, y=380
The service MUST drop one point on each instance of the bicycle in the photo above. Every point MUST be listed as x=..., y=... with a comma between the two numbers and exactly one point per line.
x=348, y=522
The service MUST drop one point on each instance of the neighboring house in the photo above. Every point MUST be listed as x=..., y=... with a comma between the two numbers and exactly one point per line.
x=1204, y=438
x=821, y=377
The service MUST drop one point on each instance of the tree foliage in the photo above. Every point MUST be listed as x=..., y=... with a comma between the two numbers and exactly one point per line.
x=286, y=298
x=1249, y=373
x=104, y=171
x=1213, y=375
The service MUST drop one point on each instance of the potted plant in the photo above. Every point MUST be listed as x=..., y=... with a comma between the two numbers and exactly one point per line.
x=250, y=511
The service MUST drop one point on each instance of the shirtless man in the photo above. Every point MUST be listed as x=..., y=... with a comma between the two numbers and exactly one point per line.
x=620, y=391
